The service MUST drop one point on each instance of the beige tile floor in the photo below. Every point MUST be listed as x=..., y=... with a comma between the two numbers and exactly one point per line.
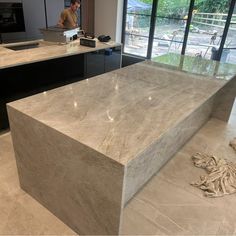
x=167, y=205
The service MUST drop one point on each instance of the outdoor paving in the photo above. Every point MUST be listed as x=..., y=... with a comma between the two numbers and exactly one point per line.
x=199, y=43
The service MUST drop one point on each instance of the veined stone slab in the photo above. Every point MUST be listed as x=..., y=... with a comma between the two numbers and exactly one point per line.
x=83, y=150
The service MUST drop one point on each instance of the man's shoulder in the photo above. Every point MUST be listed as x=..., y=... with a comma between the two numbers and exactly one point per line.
x=66, y=11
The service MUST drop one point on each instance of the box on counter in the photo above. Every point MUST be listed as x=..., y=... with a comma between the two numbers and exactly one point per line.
x=88, y=42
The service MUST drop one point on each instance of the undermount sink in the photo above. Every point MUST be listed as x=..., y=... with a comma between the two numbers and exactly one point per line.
x=23, y=46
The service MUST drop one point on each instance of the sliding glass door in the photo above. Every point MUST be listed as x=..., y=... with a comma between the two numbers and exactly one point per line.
x=207, y=27
x=170, y=25
x=137, y=27
x=229, y=50
x=193, y=27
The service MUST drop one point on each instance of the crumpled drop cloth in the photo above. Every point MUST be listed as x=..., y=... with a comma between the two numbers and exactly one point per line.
x=221, y=174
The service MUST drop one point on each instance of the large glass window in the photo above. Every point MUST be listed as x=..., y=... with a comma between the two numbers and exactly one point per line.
x=170, y=29
x=206, y=28
x=229, y=51
x=137, y=27
x=171, y=17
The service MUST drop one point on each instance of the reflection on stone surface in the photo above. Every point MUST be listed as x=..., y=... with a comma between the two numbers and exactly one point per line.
x=196, y=65
x=138, y=116
x=124, y=119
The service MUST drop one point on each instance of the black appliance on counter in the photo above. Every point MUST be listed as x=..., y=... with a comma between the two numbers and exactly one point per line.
x=11, y=17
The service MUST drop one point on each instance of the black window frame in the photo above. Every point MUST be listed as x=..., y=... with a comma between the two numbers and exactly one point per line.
x=187, y=29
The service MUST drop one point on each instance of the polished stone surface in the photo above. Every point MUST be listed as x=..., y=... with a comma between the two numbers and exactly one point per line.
x=131, y=107
x=196, y=65
x=145, y=165
x=137, y=117
x=224, y=101
x=130, y=122
x=45, y=51
x=209, y=68
x=4, y=51
x=167, y=205
x=80, y=186
x=20, y=214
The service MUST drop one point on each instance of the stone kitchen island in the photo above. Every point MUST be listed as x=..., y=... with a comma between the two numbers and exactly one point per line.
x=84, y=150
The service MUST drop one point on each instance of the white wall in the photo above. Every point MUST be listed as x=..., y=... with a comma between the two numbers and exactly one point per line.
x=119, y=20
x=108, y=18
x=34, y=15
x=54, y=9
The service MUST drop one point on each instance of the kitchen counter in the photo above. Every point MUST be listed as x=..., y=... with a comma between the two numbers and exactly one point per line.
x=5, y=51
x=45, y=51
x=83, y=150
x=121, y=102
x=27, y=68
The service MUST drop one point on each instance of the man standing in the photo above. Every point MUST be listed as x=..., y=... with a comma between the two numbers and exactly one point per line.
x=69, y=16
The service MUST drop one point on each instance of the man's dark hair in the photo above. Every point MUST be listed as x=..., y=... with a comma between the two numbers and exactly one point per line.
x=73, y=2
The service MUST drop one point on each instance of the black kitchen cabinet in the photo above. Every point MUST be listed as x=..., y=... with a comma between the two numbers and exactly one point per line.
x=94, y=63
x=112, y=59
x=102, y=61
x=25, y=80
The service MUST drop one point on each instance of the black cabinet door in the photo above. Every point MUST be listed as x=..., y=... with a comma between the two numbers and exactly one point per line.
x=112, y=59
x=94, y=63
x=3, y=115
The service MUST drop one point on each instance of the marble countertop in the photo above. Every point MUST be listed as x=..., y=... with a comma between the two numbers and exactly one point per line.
x=5, y=51
x=122, y=112
x=45, y=51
